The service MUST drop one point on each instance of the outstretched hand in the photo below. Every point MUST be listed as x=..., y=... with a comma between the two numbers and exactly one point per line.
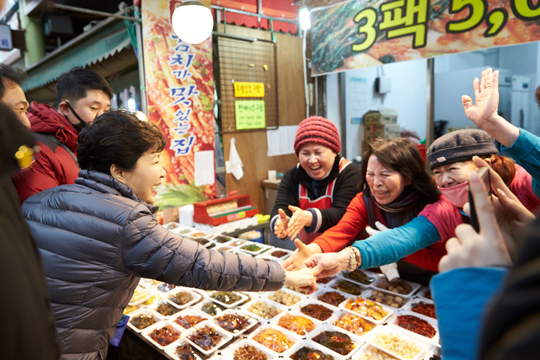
x=328, y=264
x=486, y=94
x=303, y=252
x=281, y=225
x=299, y=219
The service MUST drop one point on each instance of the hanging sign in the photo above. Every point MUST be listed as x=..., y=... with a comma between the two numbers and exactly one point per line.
x=6, y=42
x=248, y=89
x=180, y=86
x=357, y=34
x=249, y=114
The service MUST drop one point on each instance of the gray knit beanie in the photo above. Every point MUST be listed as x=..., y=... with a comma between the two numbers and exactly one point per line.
x=460, y=145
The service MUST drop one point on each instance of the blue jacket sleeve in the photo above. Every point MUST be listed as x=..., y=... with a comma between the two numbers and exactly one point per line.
x=392, y=245
x=461, y=296
x=526, y=152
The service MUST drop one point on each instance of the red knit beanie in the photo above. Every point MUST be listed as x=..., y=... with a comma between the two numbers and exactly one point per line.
x=318, y=130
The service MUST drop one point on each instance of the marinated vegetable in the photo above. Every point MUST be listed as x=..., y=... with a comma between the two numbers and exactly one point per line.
x=349, y=287
x=396, y=345
x=416, y=325
x=335, y=341
x=262, y=309
x=201, y=241
x=354, y=324
x=317, y=311
x=185, y=232
x=212, y=308
x=226, y=297
x=297, y=324
x=181, y=298
x=185, y=352
x=424, y=309
x=165, y=335
x=387, y=299
x=233, y=322
x=397, y=286
x=251, y=248
x=279, y=253
x=143, y=321
x=206, y=338
x=222, y=239
x=167, y=309
x=274, y=340
x=248, y=352
x=188, y=321
x=366, y=308
x=325, y=280
x=332, y=298
x=359, y=276
x=284, y=298
x=306, y=353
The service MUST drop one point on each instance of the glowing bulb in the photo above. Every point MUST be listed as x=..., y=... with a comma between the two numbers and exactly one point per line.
x=192, y=22
x=132, y=105
x=305, y=20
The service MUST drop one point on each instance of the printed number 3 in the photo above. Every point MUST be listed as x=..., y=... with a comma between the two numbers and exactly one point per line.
x=371, y=34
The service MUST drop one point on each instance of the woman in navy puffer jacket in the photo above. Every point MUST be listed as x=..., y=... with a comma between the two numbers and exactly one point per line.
x=98, y=237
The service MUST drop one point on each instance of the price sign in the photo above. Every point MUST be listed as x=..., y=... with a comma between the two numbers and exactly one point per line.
x=250, y=114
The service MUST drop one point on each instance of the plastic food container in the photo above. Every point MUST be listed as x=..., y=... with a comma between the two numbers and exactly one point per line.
x=149, y=283
x=414, y=287
x=237, y=243
x=279, y=308
x=156, y=306
x=313, y=345
x=410, y=305
x=148, y=331
x=275, y=321
x=325, y=290
x=356, y=340
x=388, y=311
x=225, y=336
x=282, y=255
x=368, y=295
x=251, y=321
x=347, y=313
x=339, y=282
x=269, y=258
x=144, y=296
x=228, y=353
x=163, y=288
x=298, y=310
x=367, y=348
x=194, y=297
x=394, y=321
x=262, y=248
x=424, y=293
x=371, y=277
x=184, y=231
x=201, y=234
x=291, y=336
x=171, y=349
x=157, y=317
x=219, y=309
x=222, y=239
x=290, y=292
x=190, y=312
x=391, y=330
x=242, y=299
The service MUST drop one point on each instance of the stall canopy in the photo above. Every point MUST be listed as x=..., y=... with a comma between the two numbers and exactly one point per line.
x=105, y=40
x=274, y=8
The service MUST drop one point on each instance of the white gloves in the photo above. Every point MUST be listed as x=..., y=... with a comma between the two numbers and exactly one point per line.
x=389, y=270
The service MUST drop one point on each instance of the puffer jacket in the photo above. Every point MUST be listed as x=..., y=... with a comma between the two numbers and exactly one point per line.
x=97, y=238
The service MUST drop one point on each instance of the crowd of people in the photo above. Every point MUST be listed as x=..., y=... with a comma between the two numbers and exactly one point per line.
x=85, y=232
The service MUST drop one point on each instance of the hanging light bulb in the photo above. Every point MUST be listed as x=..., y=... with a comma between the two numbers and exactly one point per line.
x=192, y=22
x=305, y=21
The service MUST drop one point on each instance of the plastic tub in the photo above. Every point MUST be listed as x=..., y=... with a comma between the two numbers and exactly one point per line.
x=391, y=330
x=394, y=321
x=279, y=308
x=414, y=286
x=368, y=295
x=228, y=353
x=157, y=317
x=291, y=336
x=313, y=345
x=298, y=310
x=338, y=283
x=251, y=321
x=424, y=293
x=243, y=298
x=190, y=312
x=325, y=290
x=173, y=309
x=364, y=323
x=368, y=348
x=286, y=253
x=388, y=311
x=171, y=349
x=262, y=249
x=200, y=306
x=357, y=341
x=145, y=295
x=195, y=297
x=371, y=277
x=148, y=331
x=413, y=302
x=225, y=336
x=275, y=321
x=294, y=293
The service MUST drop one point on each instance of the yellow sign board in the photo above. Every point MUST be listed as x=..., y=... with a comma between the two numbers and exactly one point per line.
x=250, y=114
x=248, y=89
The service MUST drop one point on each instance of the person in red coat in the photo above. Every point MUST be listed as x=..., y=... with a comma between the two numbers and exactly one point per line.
x=82, y=96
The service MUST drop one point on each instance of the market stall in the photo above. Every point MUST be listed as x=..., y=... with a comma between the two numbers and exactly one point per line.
x=356, y=316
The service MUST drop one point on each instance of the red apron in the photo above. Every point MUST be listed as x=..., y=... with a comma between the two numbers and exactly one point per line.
x=321, y=203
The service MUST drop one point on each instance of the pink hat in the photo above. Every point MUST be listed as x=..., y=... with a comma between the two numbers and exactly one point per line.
x=318, y=130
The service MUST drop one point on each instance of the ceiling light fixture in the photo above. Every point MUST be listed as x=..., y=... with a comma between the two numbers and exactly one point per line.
x=305, y=20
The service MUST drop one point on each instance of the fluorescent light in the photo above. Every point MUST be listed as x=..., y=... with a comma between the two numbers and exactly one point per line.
x=305, y=20
x=192, y=22
x=132, y=105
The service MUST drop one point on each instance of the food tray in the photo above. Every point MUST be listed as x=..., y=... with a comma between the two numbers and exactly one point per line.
x=275, y=321
x=409, y=306
x=192, y=312
x=367, y=348
x=222, y=239
x=164, y=302
x=226, y=336
x=146, y=333
x=357, y=340
x=243, y=298
x=283, y=257
x=171, y=348
x=262, y=249
x=297, y=310
x=312, y=345
x=378, y=322
x=324, y=284
x=251, y=320
x=333, y=285
x=209, y=243
x=369, y=293
x=237, y=243
x=369, y=274
x=414, y=286
x=343, y=313
x=291, y=336
x=269, y=258
x=421, y=293
x=421, y=344
x=157, y=316
x=301, y=296
x=196, y=297
x=324, y=290
x=394, y=320
x=143, y=299
x=228, y=353
x=187, y=231
x=245, y=309
x=149, y=283
x=161, y=292
x=217, y=357
x=201, y=234
x=199, y=306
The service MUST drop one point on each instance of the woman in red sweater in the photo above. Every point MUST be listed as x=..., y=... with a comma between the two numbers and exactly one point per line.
x=395, y=188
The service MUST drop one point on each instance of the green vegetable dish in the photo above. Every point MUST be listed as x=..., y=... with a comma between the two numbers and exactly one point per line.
x=226, y=297
x=251, y=248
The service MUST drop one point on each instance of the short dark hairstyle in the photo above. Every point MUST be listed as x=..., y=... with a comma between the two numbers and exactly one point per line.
x=119, y=138
x=74, y=85
x=10, y=74
x=401, y=155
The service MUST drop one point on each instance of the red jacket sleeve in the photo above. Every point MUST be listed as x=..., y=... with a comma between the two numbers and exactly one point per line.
x=428, y=258
x=347, y=229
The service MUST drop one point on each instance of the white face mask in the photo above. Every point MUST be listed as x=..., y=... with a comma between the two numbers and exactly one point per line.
x=457, y=194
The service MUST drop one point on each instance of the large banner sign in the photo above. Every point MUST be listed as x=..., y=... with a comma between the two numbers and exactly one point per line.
x=357, y=34
x=180, y=86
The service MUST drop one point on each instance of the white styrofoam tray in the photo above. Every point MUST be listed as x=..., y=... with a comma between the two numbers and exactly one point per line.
x=408, y=307
x=311, y=345
x=251, y=321
x=276, y=320
x=242, y=299
x=394, y=321
x=357, y=340
x=414, y=286
x=155, y=305
x=226, y=336
x=375, y=277
x=245, y=308
x=333, y=285
x=262, y=249
x=147, y=295
x=171, y=349
x=194, y=297
x=301, y=296
x=291, y=336
x=177, y=329
x=325, y=290
x=228, y=353
x=191, y=312
x=421, y=344
x=343, y=313
x=368, y=294
x=144, y=311
x=298, y=309
x=387, y=309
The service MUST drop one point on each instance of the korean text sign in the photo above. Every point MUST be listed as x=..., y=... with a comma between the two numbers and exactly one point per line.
x=250, y=114
x=248, y=89
x=365, y=33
